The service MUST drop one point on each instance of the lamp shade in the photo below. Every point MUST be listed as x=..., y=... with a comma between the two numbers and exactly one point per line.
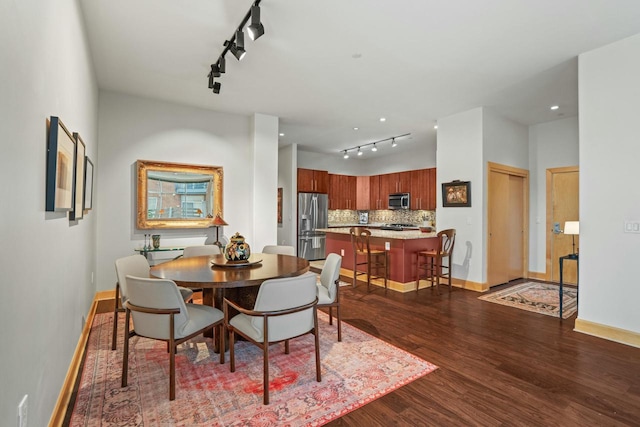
x=572, y=227
x=218, y=221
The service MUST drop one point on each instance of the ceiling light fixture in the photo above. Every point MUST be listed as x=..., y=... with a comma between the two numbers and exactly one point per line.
x=374, y=145
x=555, y=107
x=256, y=29
x=235, y=44
x=382, y=119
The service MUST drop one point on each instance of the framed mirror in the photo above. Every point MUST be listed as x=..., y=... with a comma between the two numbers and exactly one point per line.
x=175, y=195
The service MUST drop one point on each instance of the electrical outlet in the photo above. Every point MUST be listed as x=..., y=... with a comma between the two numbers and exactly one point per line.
x=22, y=411
x=387, y=246
x=341, y=252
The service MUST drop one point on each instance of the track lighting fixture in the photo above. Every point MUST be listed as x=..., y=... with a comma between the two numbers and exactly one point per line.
x=236, y=44
x=256, y=29
x=374, y=145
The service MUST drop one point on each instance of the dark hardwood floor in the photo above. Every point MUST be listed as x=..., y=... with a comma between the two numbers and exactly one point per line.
x=497, y=365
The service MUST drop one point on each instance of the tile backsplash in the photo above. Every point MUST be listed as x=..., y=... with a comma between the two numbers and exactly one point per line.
x=383, y=216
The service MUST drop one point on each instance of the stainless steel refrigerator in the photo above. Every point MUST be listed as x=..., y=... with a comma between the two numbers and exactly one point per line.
x=312, y=215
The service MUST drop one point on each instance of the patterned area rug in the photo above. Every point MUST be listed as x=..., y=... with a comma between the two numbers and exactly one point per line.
x=355, y=371
x=540, y=298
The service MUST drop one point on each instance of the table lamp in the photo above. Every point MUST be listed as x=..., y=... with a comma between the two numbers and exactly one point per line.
x=217, y=223
x=572, y=228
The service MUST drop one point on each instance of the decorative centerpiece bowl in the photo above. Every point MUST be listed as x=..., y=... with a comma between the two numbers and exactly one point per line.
x=426, y=229
x=237, y=249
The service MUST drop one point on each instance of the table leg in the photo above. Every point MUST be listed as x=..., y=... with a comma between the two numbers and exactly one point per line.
x=561, y=297
x=207, y=299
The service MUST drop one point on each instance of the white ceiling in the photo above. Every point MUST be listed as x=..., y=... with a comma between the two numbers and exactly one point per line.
x=326, y=66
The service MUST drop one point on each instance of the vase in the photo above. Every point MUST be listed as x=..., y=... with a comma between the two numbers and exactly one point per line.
x=237, y=249
x=156, y=241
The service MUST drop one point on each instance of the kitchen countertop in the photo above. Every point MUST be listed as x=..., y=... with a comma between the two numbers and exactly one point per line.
x=386, y=234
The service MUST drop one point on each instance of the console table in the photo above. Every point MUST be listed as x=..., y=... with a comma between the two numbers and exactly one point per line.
x=147, y=251
x=573, y=257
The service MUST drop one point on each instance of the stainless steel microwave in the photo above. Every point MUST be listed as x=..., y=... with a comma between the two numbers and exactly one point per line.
x=399, y=201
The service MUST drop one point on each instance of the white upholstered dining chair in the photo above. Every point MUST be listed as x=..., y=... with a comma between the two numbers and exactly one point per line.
x=284, y=309
x=329, y=288
x=191, y=251
x=279, y=249
x=134, y=265
x=159, y=312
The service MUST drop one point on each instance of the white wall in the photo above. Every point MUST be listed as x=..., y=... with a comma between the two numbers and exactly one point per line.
x=287, y=176
x=133, y=128
x=551, y=145
x=459, y=156
x=265, y=182
x=46, y=261
x=419, y=155
x=609, y=92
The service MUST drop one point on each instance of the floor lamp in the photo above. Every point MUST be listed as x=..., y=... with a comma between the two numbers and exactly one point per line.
x=217, y=223
x=572, y=228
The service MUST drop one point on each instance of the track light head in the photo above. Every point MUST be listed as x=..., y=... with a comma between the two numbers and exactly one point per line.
x=346, y=155
x=394, y=143
x=238, y=47
x=222, y=64
x=211, y=78
x=216, y=87
x=215, y=70
x=359, y=152
x=256, y=29
x=374, y=147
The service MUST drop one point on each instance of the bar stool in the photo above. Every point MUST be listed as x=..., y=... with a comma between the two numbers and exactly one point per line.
x=433, y=265
x=374, y=259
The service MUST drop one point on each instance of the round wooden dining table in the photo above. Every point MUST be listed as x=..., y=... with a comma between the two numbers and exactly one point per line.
x=219, y=278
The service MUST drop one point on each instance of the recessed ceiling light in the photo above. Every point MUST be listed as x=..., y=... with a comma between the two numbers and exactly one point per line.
x=356, y=55
x=281, y=134
x=555, y=107
x=356, y=128
x=382, y=119
x=435, y=126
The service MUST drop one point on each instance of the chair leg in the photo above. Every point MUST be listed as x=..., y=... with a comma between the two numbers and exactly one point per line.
x=220, y=331
x=386, y=268
x=115, y=318
x=172, y=359
x=232, y=359
x=125, y=351
x=331, y=315
x=368, y=272
x=265, y=351
x=286, y=347
x=417, y=271
x=317, y=342
x=339, y=323
x=355, y=269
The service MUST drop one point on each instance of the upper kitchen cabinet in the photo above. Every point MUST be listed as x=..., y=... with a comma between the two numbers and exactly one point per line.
x=399, y=182
x=374, y=192
x=362, y=192
x=423, y=189
x=342, y=191
x=313, y=181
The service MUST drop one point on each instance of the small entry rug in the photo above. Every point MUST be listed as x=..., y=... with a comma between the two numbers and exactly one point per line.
x=542, y=298
x=355, y=372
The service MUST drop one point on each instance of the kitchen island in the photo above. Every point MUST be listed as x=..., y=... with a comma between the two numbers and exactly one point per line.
x=402, y=247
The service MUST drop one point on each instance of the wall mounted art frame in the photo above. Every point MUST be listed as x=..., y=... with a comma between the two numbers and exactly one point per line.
x=88, y=184
x=78, y=179
x=456, y=194
x=176, y=195
x=61, y=149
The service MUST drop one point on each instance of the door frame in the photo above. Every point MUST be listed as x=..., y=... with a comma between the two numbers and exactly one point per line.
x=524, y=174
x=548, y=232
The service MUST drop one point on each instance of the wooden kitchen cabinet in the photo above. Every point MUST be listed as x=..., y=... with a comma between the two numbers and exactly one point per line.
x=423, y=189
x=363, y=192
x=399, y=182
x=342, y=191
x=374, y=192
x=312, y=181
